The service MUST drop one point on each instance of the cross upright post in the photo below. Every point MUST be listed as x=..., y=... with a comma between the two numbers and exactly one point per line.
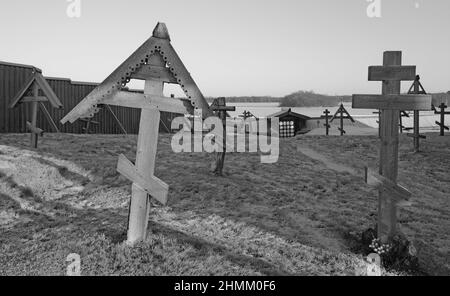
x=34, y=111
x=417, y=89
x=327, y=124
x=390, y=103
x=220, y=107
x=441, y=124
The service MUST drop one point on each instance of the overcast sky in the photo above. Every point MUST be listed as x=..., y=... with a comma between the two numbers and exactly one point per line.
x=233, y=48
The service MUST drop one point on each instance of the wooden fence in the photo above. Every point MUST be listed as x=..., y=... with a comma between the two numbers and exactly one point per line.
x=14, y=76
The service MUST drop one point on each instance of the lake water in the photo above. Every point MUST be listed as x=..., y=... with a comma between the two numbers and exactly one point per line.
x=366, y=116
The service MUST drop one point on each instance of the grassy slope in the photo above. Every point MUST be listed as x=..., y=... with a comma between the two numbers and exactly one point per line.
x=293, y=217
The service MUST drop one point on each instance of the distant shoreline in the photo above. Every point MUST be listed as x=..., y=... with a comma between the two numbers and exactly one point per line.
x=310, y=99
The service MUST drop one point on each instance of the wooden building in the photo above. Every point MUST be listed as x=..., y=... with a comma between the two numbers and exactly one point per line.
x=291, y=123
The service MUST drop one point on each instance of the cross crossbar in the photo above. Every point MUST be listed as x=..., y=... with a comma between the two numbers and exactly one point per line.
x=34, y=130
x=392, y=102
x=153, y=186
x=144, y=101
x=386, y=73
x=399, y=192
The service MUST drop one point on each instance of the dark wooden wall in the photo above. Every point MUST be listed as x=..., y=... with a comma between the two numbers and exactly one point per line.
x=14, y=76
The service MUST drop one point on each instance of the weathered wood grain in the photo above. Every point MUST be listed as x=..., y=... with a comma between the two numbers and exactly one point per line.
x=384, y=73
x=145, y=101
x=155, y=73
x=392, y=102
x=153, y=186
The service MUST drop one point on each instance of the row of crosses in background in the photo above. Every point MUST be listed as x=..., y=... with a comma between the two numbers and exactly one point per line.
x=36, y=91
x=390, y=103
x=156, y=62
x=418, y=89
x=400, y=118
x=340, y=114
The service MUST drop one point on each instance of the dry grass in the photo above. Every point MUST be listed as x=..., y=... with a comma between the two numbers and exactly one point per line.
x=296, y=217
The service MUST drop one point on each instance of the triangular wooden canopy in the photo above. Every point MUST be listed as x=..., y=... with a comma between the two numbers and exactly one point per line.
x=139, y=66
x=342, y=111
x=49, y=95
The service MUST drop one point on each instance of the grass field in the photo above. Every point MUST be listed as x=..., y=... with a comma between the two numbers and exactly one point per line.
x=301, y=216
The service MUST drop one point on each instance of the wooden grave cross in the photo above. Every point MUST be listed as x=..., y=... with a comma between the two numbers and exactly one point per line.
x=88, y=122
x=220, y=108
x=246, y=114
x=416, y=89
x=36, y=84
x=156, y=62
x=340, y=115
x=442, y=112
x=390, y=103
x=327, y=124
x=401, y=115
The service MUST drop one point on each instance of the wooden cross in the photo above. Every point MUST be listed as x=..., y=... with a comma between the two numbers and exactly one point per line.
x=157, y=63
x=88, y=121
x=35, y=84
x=416, y=89
x=327, y=124
x=246, y=114
x=390, y=103
x=402, y=114
x=378, y=121
x=340, y=115
x=441, y=124
x=220, y=108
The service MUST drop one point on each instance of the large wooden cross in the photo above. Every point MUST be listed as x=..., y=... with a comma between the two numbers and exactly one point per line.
x=390, y=103
x=31, y=93
x=157, y=63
